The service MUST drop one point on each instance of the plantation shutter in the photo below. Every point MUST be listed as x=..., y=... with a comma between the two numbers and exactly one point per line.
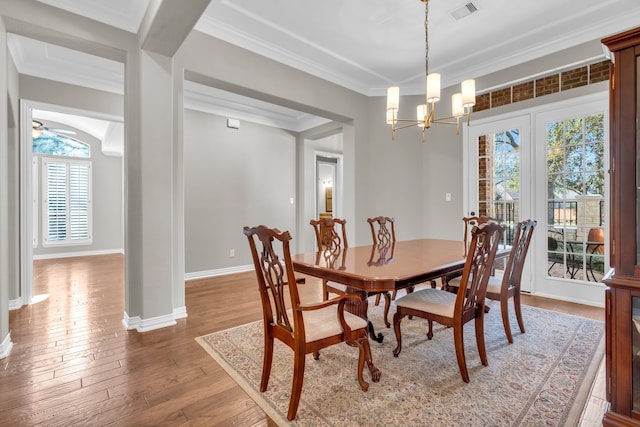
x=67, y=207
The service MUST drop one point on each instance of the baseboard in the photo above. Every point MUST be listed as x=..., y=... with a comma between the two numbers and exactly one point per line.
x=573, y=300
x=146, y=325
x=5, y=346
x=218, y=272
x=15, y=304
x=77, y=254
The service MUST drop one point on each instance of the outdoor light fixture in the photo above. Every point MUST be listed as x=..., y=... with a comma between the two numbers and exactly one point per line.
x=461, y=103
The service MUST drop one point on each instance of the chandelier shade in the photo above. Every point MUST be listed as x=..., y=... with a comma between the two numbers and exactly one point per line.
x=461, y=103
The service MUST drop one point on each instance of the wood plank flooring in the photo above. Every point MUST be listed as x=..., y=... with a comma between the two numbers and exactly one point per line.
x=73, y=363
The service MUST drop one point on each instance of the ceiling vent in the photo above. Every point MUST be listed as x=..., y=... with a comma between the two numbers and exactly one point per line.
x=463, y=11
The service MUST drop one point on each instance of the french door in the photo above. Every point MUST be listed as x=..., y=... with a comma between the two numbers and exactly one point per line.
x=547, y=165
x=498, y=175
x=572, y=151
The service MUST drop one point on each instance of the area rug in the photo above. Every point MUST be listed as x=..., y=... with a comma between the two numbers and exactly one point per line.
x=542, y=379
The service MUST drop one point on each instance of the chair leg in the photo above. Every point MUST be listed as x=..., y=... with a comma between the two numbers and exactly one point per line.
x=504, y=308
x=430, y=333
x=266, y=362
x=296, y=387
x=518, y=309
x=396, y=328
x=458, y=339
x=482, y=349
x=393, y=295
x=387, y=305
x=377, y=302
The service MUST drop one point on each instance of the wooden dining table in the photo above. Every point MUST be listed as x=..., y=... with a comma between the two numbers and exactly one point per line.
x=370, y=268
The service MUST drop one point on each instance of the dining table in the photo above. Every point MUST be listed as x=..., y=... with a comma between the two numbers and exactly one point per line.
x=399, y=265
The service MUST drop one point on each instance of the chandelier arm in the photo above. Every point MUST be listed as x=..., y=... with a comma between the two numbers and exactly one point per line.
x=411, y=123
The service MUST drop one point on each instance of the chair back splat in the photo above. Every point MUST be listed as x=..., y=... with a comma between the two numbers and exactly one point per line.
x=454, y=310
x=305, y=328
x=331, y=233
x=385, y=234
x=509, y=286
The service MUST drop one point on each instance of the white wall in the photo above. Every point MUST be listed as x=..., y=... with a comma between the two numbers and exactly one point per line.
x=233, y=178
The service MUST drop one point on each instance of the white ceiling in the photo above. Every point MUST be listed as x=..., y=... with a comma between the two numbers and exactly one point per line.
x=363, y=45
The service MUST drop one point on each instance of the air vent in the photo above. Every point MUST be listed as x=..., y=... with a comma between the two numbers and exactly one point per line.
x=463, y=11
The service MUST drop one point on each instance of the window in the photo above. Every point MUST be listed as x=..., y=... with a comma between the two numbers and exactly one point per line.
x=67, y=202
x=66, y=190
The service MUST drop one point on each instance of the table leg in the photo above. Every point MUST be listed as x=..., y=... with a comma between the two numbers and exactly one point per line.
x=360, y=309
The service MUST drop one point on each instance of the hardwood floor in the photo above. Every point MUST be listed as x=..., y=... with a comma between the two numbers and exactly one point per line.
x=73, y=363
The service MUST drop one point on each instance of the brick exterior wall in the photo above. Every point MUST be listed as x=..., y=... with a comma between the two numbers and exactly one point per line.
x=547, y=85
x=483, y=102
x=522, y=91
x=599, y=72
x=575, y=78
x=501, y=97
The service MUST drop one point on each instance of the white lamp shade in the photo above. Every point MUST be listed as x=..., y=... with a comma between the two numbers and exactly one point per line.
x=390, y=116
x=457, y=109
x=393, y=98
x=469, y=93
x=433, y=87
x=421, y=112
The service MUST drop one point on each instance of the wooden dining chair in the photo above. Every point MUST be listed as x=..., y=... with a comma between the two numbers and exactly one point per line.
x=383, y=236
x=454, y=310
x=469, y=223
x=331, y=239
x=305, y=328
x=508, y=286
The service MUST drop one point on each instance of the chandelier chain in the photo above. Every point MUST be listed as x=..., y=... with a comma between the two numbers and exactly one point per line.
x=426, y=36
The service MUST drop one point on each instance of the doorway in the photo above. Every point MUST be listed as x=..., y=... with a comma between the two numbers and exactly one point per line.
x=108, y=181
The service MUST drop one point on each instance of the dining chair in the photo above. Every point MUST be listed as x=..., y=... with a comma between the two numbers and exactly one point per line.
x=508, y=286
x=305, y=328
x=469, y=223
x=455, y=310
x=383, y=236
x=331, y=239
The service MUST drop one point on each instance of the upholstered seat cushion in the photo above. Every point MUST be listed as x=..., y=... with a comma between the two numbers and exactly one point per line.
x=323, y=323
x=431, y=300
x=493, y=286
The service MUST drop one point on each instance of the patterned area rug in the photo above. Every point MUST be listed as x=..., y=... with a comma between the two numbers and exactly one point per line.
x=543, y=378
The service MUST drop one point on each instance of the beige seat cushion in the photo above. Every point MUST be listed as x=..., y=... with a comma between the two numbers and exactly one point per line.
x=322, y=323
x=430, y=300
x=493, y=286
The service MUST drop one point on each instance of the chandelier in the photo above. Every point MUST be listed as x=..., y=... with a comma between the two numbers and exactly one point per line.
x=461, y=103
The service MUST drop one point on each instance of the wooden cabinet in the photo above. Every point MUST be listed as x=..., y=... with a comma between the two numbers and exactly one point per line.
x=623, y=293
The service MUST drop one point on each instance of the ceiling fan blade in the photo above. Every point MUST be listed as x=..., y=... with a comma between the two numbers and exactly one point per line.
x=65, y=131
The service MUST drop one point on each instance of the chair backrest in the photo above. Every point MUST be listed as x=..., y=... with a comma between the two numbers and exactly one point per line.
x=469, y=223
x=477, y=268
x=276, y=281
x=331, y=233
x=595, y=235
x=383, y=231
x=515, y=264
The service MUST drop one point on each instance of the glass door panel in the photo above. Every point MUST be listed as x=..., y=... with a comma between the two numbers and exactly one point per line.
x=575, y=198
